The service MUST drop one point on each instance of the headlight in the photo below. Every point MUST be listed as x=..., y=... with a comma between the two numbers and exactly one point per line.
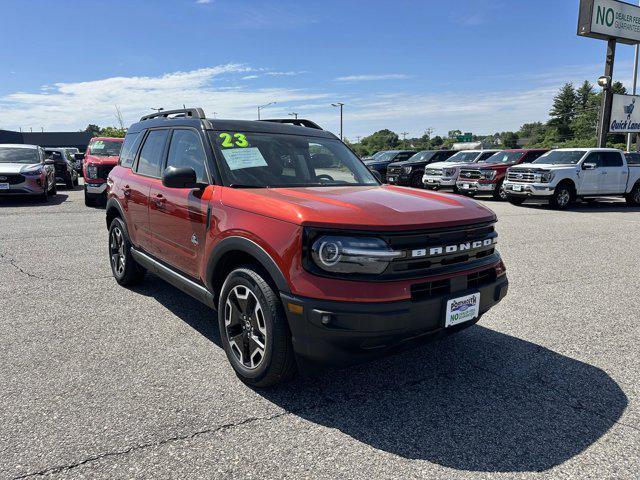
x=489, y=174
x=546, y=177
x=407, y=170
x=352, y=254
x=32, y=172
x=92, y=171
x=449, y=172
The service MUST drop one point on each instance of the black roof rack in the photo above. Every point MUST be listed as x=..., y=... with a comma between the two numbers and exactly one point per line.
x=183, y=112
x=300, y=122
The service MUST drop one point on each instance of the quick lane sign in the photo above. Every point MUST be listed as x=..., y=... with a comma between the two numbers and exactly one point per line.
x=606, y=19
x=625, y=114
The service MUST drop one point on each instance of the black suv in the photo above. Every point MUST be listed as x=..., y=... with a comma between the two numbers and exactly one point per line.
x=65, y=169
x=381, y=160
x=410, y=171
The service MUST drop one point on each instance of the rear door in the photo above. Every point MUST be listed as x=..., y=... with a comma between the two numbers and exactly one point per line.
x=178, y=216
x=614, y=180
x=145, y=175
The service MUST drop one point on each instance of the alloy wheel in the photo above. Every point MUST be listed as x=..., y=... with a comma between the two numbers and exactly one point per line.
x=636, y=196
x=116, y=249
x=245, y=327
x=564, y=197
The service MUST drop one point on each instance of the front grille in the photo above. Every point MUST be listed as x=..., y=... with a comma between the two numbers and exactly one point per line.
x=61, y=170
x=422, y=291
x=471, y=174
x=433, y=171
x=103, y=171
x=394, y=170
x=481, y=278
x=12, y=178
x=523, y=175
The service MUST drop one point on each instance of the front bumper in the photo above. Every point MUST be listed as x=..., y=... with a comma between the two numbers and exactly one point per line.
x=95, y=188
x=528, y=189
x=434, y=181
x=30, y=186
x=343, y=333
x=398, y=179
x=474, y=186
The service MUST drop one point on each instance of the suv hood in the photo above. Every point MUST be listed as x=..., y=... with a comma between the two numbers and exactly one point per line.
x=376, y=207
x=448, y=164
x=16, y=167
x=102, y=160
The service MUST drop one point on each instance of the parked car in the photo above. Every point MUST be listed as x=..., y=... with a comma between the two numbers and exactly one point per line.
x=306, y=257
x=486, y=176
x=72, y=153
x=382, y=159
x=64, y=168
x=410, y=171
x=444, y=174
x=25, y=170
x=564, y=175
x=101, y=156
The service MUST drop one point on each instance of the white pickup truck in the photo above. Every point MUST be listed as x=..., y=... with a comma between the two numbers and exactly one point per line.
x=563, y=175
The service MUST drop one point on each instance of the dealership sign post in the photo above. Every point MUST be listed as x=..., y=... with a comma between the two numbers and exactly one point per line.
x=613, y=21
x=625, y=114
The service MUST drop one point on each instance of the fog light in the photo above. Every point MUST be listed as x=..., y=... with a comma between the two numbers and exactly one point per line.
x=325, y=319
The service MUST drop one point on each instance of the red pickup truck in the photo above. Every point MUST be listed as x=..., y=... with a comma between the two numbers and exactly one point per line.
x=486, y=176
x=101, y=156
x=306, y=257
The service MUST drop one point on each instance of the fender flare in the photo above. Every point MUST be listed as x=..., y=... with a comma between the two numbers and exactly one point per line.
x=249, y=247
x=113, y=203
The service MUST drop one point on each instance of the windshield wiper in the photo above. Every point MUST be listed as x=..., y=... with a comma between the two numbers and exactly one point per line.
x=244, y=185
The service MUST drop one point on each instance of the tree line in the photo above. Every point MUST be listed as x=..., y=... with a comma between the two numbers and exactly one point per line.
x=573, y=122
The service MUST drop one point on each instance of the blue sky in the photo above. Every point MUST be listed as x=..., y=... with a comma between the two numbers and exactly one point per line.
x=480, y=66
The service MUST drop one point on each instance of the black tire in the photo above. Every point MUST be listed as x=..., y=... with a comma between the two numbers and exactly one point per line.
x=89, y=200
x=633, y=197
x=416, y=180
x=276, y=364
x=69, y=182
x=513, y=200
x=44, y=196
x=125, y=269
x=499, y=193
x=562, y=197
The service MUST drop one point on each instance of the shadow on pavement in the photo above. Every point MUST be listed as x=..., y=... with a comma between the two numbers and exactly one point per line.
x=29, y=201
x=476, y=401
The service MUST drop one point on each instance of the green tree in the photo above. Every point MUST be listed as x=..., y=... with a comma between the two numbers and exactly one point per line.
x=509, y=139
x=563, y=111
x=454, y=133
x=113, y=132
x=94, y=130
x=584, y=94
x=380, y=140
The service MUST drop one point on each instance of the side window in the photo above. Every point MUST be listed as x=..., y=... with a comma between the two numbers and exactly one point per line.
x=594, y=157
x=402, y=157
x=186, y=151
x=129, y=149
x=531, y=156
x=633, y=158
x=151, y=154
x=612, y=159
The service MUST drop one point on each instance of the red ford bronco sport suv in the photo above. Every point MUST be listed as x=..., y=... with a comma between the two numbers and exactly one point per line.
x=101, y=156
x=306, y=257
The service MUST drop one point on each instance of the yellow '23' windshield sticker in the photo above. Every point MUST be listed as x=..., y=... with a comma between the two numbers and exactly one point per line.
x=235, y=140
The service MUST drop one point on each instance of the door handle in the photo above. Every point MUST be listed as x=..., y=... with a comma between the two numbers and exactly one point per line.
x=159, y=200
x=126, y=190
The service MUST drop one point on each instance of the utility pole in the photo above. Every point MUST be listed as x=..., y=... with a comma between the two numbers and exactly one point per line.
x=339, y=104
x=264, y=106
x=428, y=132
x=404, y=138
x=294, y=115
x=214, y=114
x=157, y=109
x=635, y=84
x=607, y=97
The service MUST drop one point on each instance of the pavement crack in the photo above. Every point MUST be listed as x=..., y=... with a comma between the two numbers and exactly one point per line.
x=147, y=445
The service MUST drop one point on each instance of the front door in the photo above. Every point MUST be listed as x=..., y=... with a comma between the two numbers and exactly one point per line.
x=178, y=216
x=591, y=179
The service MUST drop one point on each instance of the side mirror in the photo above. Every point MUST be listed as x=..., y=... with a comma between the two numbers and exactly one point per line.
x=589, y=166
x=49, y=161
x=179, y=177
x=78, y=156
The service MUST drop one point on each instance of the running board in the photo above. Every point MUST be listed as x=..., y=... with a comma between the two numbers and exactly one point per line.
x=174, y=278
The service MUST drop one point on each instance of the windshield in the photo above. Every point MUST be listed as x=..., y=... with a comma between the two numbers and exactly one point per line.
x=105, y=148
x=560, y=157
x=19, y=155
x=463, y=157
x=503, y=157
x=422, y=156
x=384, y=156
x=259, y=160
x=378, y=154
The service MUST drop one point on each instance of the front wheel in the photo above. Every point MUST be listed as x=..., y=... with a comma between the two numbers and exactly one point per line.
x=499, y=193
x=633, y=197
x=416, y=181
x=254, y=330
x=562, y=197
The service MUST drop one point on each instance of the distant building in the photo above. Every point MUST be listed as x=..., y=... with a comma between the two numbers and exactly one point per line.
x=79, y=140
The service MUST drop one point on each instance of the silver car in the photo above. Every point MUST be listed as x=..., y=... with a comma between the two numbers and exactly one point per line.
x=24, y=170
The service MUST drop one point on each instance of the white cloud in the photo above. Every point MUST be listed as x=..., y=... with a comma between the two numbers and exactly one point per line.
x=284, y=74
x=369, y=78
x=250, y=77
x=203, y=2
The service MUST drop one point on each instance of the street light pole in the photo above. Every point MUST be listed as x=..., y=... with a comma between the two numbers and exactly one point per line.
x=260, y=107
x=635, y=83
x=294, y=115
x=339, y=104
x=607, y=96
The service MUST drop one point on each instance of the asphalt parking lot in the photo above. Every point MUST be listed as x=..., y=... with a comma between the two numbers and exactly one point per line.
x=99, y=381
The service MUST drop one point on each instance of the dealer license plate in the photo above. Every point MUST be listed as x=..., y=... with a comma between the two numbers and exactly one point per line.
x=517, y=188
x=465, y=186
x=391, y=179
x=462, y=309
x=431, y=180
x=4, y=186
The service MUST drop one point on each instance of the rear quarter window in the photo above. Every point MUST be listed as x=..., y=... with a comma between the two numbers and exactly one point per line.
x=129, y=149
x=633, y=158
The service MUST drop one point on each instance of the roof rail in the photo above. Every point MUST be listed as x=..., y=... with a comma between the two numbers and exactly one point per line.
x=183, y=112
x=300, y=122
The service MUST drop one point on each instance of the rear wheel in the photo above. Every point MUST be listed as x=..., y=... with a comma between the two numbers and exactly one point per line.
x=125, y=269
x=69, y=182
x=633, y=197
x=513, y=200
x=44, y=196
x=254, y=329
x=562, y=197
x=499, y=193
